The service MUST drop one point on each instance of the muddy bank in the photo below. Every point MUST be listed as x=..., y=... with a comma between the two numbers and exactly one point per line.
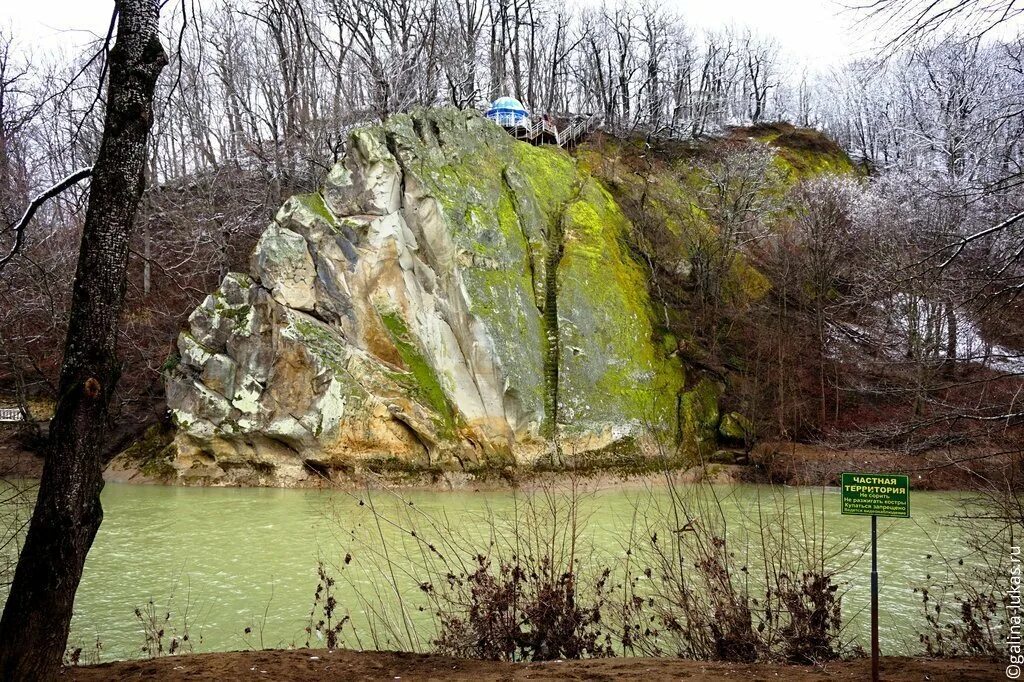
x=349, y=665
x=960, y=468
x=797, y=464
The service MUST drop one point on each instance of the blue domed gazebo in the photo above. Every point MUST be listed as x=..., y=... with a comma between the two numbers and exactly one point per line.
x=507, y=112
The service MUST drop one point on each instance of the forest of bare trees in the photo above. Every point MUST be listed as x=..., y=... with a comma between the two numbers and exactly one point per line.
x=258, y=96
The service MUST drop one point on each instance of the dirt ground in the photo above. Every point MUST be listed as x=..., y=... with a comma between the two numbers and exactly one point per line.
x=961, y=468
x=309, y=664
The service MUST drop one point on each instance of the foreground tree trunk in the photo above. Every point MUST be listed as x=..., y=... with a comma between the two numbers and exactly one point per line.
x=34, y=627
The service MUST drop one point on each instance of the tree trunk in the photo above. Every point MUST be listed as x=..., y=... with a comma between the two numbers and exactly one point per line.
x=147, y=250
x=949, y=363
x=36, y=618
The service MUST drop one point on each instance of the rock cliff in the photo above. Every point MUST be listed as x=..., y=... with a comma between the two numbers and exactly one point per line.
x=450, y=297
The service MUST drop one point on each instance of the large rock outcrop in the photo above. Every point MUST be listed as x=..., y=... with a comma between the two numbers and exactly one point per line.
x=449, y=297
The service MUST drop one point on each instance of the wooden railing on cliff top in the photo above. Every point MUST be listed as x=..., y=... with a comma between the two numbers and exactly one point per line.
x=543, y=130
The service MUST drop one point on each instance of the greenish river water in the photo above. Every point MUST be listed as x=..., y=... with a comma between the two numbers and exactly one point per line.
x=245, y=557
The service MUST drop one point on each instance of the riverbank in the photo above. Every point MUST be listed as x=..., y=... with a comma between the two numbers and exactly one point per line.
x=796, y=464
x=785, y=463
x=817, y=464
x=310, y=664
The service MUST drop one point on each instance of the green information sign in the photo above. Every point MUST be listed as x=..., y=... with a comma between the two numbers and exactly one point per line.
x=876, y=495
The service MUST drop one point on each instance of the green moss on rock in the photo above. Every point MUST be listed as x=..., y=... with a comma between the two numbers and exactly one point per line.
x=426, y=385
x=699, y=418
x=322, y=343
x=153, y=453
x=735, y=427
x=801, y=153
x=314, y=201
x=611, y=367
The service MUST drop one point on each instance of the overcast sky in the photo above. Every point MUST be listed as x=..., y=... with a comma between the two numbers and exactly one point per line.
x=816, y=32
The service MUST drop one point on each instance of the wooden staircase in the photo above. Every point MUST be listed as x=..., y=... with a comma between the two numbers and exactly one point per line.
x=544, y=131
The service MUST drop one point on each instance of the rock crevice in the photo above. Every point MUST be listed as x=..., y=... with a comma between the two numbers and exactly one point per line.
x=553, y=341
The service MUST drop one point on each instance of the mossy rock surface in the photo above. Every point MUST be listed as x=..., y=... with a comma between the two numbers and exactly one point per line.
x=699, y=417
x=613, y=366
x=152, y=455
x=801, y=152
x=423, y=381
x=736, y=428
x=515, y=210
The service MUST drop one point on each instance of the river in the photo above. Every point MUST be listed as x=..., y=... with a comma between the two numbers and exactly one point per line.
x=228, y=559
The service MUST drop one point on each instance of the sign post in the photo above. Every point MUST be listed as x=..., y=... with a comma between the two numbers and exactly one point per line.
x=875, y=495
x=874, y=598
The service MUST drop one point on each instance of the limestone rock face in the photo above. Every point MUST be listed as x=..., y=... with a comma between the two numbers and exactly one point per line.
x=450, y=297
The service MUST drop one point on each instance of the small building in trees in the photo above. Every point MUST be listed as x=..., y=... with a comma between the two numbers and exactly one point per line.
x=508, y=112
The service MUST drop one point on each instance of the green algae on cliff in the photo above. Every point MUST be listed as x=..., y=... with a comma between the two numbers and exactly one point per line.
x=611, y=365
x=425, y=382
x=699, y=417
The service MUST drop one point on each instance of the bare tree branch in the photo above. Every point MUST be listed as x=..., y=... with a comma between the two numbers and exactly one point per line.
x=40, y=199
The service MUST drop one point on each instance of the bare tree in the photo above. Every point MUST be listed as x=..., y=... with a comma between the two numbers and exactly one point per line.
x=824, y=253
x=37, y=615
x=729, y=218
x=759, y=77
x=908, y=22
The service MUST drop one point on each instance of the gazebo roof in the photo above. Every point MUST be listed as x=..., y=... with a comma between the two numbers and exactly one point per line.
x=509, y=104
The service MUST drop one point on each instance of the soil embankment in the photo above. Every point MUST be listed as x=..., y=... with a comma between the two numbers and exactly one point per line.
x=955, y=468
x=307, y=664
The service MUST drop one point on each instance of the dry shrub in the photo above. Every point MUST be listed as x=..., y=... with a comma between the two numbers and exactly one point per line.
x=961, y=620
x=525, y=610
x=708, y=591
x=529, y=597
x=969, y=608
x=323, y=623
x=811, y=631
x=523, y=592
x=163, y=633
x=689, y=585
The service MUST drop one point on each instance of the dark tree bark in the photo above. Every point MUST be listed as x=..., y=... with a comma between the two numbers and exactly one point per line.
x=36, y=618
